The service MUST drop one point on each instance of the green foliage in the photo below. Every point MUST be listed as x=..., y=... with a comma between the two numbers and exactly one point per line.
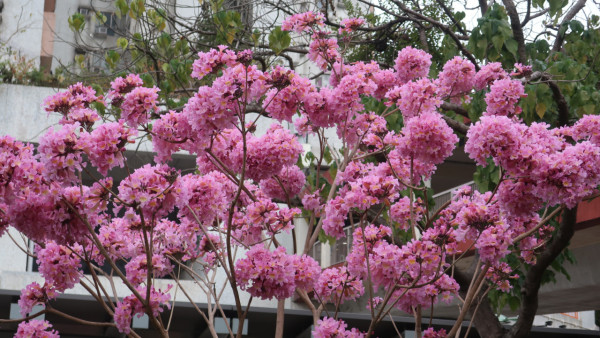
x=488, y=177
x=76, y=22
x=228, y=24
x=279, y=40
x=492, y=38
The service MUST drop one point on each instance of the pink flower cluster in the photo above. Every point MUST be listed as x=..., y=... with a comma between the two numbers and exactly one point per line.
x=139, y=104
x=324, y=52
x=366, y=186
x=267, y=274
x=208, y=196
x=121, y=87
x=337, y=285
x=456, y=79
x=267, y=155
x=60, y=265
x=349, y=25
x=503, y=97
x=36, y=329
x=67, y=103
x=331, y=328
x=106, y=144
x=259, y=216
x=560, y=172
x=411, y=64
x=211, y=61
x=137, y=268
x=60, y=153
x=170, y=133
x=152, y=189
x=414, y=97
x=282, y=103
x=34, y=294
x=131, y=306
x=427, y=138
x=303, y=22
x=285, y=185
x=488, y=74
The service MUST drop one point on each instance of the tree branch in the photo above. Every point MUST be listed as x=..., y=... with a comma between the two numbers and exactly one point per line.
x=563, y=107
x=515, y=23
x=533, y=279
x=568, y=17
x=457, y=126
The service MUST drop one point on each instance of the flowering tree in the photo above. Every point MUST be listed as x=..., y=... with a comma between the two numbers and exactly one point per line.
x=227, y=217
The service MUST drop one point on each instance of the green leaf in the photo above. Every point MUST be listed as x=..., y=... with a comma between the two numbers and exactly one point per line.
x=122, y=43
x=164, y=41
x=76, y=22
x=327, y=155
x=498, y=41
x=514, y=303
x=112, y=58
x=279, y=40
x=256, y=36
x=576, y=26
x=512, y=46
x=122, y=7
x=540, y=109
x=137, y=9
x=323, y=238
x=101, y=17
x=79, y=59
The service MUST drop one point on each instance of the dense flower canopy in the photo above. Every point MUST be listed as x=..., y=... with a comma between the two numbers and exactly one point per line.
x=249, y=188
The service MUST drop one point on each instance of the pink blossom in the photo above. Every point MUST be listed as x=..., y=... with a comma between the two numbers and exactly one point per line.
x=303, y=22
x=489, y=73
x=587, y=128
x=415, y=97
x=60, y=265
x=152, y=189
x=105, y=145
x=331, y=328
x=122, y=86
x=432, y=333
x=312, y=202
x=400, y=212
x=36, y=328
x=137, y=268
x=208, y=196
x=336, y=285
x=266, y=274
x=412, y=63
x=350, y=24
x=282, y=103
x=169, y=133
x=60, y=153
x=32, y=295
x=212, y=61
x=456, y=79
x=131, y=306
x=285, y=185
x=138, y=105
x=268, y=154
x=427, y=138
x=521, y=70
x=503, y=97
x=323, y=52
x=307, y=271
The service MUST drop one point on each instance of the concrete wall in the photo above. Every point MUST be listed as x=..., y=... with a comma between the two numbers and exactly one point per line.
x=21, y=28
